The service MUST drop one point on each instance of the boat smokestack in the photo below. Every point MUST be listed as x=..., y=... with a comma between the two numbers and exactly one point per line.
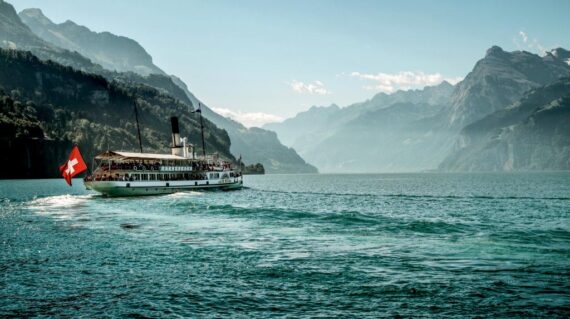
x=176, y=148
x=175, y=132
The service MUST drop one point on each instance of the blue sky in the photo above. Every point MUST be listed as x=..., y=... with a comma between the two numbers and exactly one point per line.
x=264, y=60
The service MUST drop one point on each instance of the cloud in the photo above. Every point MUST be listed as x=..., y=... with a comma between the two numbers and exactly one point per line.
x=524, y=37
x=252, y=119
x=524, y=42
x=404, y=80
x=317, y=87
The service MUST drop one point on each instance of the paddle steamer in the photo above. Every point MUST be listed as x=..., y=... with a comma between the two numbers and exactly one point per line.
x=120, y=173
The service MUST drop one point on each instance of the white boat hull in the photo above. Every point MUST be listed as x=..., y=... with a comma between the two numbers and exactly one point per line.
x=141, y=188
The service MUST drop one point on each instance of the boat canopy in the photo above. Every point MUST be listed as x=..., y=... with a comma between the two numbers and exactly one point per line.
x=125, y=156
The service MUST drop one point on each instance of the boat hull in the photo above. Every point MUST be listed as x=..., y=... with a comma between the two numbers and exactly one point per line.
x=140, y=188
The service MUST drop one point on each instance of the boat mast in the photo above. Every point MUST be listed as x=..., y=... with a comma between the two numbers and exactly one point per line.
x=202, y=129
x=138, y=126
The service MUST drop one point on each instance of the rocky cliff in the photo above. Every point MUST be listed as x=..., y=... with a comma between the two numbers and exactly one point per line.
x=112, y=52
x=531, y=134
x=500, y=79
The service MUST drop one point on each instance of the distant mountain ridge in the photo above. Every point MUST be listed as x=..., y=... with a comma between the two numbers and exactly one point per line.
x=438, y=127
x=366, y=136
x=14, y=34
x=122, y=54
x=417, y=130
x=320, y=118
x=531, y=134
x=500, y=79
x=112, y=52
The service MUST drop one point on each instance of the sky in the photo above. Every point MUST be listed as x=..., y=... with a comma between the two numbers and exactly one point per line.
x=262, y=61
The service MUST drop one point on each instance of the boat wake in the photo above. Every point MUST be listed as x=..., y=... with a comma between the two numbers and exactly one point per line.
x=63, y=206
x=184, y=194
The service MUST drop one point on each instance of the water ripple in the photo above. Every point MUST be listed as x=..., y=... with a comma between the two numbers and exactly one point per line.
x=422, y=245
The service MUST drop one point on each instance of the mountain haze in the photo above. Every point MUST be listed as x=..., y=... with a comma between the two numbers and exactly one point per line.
x=531, y=134
x=134, y=65
x=417, y=130
x=14, y=34
x=508, y=113
x=389, y=132
x=500, y=79
x=112, y=52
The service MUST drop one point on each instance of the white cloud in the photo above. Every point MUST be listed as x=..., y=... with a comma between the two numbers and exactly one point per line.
x=317, y=87
x=524, y=37
x=251, y=119
x=404, y=80
x=524, y=42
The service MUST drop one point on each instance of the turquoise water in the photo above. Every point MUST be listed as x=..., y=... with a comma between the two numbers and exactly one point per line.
x=410, y=245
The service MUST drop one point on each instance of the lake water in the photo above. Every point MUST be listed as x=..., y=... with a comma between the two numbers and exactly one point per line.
x=410, y=245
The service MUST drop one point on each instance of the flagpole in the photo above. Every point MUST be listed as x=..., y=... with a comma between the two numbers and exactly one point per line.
x=138, y=126
x=202, y=129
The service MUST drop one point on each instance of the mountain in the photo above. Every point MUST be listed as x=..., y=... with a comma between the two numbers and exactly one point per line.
x=417, y=130
x=46, y=107
x=13, y=30
x=392, y=139
x=531, y=134
x=388, y=132
x=255, y=145
x=500, y=79
x=131, y=64
x=561, y=54
x=320, y=121
x=303, y=124
x=112, y=52
x=14, y=34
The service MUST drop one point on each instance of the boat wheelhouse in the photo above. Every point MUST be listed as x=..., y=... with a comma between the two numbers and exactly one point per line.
x=120, y=173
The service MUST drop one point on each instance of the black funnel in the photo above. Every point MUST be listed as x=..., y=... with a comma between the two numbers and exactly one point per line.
x=174, y=123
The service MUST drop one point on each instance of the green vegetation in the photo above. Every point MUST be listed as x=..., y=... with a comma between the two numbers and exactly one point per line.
x=48, y=101
x=253, y=169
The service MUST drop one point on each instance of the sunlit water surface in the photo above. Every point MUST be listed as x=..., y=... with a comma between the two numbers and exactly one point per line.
x=454, y=245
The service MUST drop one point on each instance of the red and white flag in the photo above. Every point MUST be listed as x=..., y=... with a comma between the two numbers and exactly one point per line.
x=73, y=166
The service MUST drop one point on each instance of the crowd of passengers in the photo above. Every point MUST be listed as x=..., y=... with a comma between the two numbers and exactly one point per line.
x=164, y=177
x=196, y=166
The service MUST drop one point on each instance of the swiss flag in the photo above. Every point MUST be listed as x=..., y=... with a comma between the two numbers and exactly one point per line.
x=73, y=166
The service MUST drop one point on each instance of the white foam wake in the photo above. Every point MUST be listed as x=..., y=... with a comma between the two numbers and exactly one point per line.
x=59, y=201
x=184, y=194
x=60, y=206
